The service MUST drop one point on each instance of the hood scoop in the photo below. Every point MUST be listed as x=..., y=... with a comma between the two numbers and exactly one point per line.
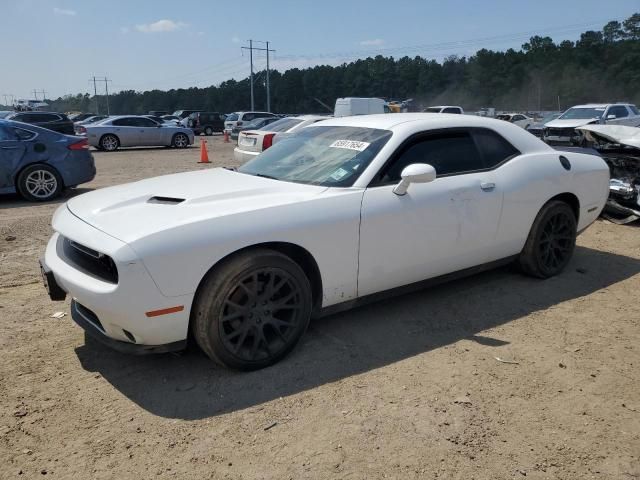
x=165, y=200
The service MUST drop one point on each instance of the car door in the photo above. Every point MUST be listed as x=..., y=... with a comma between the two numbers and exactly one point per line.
x=12, y=151
x=618, y=115
x=435, y=228
x=149, y=133
x=125, y=129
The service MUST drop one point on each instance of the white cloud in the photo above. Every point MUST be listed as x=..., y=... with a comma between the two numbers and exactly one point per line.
x=160, y=26
x=376, y=42
x=63, y=11
x=235, y=39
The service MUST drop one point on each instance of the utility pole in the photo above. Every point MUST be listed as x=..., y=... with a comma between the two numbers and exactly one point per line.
x=106, y=89
x=251, y=48
x=268, y=89
x=95, y=94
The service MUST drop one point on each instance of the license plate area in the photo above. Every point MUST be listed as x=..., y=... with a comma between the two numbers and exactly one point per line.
x=247, y=141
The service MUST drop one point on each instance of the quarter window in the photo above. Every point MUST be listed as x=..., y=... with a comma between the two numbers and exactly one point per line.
x=493, y=147
x=23, y=134
x=449, y=153
x=634, y=110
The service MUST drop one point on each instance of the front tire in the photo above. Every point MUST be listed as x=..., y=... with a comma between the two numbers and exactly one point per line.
x=39, y=183
x=109, y=143
x=551, y=241
x=180, y=140
x=251, y=311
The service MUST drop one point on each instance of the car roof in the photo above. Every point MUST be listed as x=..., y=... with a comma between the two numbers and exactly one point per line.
x=312, y=117
x=389, y=121
x=597, y=105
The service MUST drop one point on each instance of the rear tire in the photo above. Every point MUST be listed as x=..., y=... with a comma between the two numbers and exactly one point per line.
x=39, y=183
x=251, y=311
x=551, y=241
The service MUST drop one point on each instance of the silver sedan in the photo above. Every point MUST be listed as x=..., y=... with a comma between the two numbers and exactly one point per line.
x=136, y=131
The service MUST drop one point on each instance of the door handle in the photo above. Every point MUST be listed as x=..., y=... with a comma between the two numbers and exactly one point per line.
x=487, y=186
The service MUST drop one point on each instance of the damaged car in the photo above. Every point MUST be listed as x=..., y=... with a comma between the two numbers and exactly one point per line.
x=564, y=129
x=619, y=146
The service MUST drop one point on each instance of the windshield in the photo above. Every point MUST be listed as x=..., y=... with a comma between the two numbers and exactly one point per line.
x=233, y=117
x=548, y=118
x=328, y=156
x=581, y=113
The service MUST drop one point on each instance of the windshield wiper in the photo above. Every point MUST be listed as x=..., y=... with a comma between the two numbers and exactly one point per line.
x=265, y=176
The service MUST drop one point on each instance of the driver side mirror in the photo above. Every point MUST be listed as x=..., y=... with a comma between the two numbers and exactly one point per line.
x=415, y=173
x=611, y=117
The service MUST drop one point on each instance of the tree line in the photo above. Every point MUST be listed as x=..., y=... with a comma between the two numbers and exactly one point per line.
x=602, y=66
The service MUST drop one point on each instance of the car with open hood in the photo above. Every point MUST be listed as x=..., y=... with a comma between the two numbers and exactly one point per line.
x=563, y=128
x=336, y=214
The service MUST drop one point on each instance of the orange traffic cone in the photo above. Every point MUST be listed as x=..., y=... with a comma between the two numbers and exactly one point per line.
x=226, y=137
x=204, y=156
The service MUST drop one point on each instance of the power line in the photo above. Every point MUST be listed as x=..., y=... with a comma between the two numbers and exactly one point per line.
x=251, y=48
x=447, y=45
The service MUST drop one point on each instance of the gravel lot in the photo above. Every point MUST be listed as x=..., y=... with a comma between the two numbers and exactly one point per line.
x=408, y=388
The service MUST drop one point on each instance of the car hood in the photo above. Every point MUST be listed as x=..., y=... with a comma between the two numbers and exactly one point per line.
x=570, y=123
x=623, y=135
x=132, y=211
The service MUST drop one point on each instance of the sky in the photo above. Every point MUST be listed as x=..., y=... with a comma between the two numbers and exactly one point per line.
x=58, y=45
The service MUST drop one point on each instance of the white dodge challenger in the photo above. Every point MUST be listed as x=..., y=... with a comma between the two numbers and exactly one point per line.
x=338, y=213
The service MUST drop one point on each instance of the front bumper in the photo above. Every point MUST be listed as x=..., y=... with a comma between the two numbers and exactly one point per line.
x=123, y=306
x=87, y=321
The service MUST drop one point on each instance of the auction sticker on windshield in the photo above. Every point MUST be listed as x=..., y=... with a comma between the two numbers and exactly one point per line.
x=350, y=145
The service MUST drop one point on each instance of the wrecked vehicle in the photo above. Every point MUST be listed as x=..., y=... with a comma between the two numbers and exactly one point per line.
x=619, y=146
x=564, y=129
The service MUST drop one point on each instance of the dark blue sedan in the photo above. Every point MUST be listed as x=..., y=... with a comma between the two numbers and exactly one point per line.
x=38, y=163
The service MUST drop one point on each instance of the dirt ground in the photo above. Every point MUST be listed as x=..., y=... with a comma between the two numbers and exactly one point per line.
x=408, y=388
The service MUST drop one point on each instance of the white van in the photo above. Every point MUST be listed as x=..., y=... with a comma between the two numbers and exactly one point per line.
x=348, y=106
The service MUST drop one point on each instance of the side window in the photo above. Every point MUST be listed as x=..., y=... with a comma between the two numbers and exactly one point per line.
x=144, y=122
x=448, y=153
x=247, y=117
x=23, y=117
x=493, y=148
x=123, y=122
x=619, y=111
x=517, y=118
x=451, y=110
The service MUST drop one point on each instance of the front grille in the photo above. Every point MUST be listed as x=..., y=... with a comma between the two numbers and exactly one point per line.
x=561, y=132
x=90, y=261
x=89, y=316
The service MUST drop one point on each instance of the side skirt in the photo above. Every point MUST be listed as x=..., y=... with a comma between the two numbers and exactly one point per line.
x=412, y=287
